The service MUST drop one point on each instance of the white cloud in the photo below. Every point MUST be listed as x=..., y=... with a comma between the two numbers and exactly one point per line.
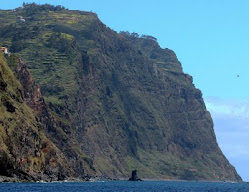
x=231, y=125
x=232, y=108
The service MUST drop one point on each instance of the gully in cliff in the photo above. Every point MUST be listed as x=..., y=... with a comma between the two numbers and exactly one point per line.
x=134, y=176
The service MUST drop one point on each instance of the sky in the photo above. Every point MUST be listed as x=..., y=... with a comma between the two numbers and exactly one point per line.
x=209, y=37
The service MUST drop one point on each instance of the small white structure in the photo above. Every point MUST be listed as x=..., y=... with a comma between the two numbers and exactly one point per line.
x=21, y=19
x=4, y=50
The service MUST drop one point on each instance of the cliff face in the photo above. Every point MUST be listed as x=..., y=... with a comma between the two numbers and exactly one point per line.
x=112, y=102
x=25, y=153
x=57, y=131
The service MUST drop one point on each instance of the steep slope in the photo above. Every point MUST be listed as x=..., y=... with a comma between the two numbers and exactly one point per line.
x=25, y=151
x=124, y=102
x=56, y=130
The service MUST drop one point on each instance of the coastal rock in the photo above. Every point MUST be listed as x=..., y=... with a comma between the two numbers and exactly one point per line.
x=134, y=176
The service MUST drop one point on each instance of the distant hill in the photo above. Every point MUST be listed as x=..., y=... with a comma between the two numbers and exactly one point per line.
x=109, y=102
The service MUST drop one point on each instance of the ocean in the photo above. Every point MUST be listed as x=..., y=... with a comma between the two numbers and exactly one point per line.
x=126, y=186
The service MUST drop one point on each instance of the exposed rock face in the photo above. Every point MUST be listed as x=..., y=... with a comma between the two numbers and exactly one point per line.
x=112, y=102
x=55, y=129
x=25, y=152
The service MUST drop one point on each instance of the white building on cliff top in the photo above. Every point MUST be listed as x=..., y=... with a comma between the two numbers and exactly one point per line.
x=4, y=50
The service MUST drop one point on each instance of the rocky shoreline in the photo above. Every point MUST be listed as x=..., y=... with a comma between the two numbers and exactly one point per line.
x=46, y=179
x=5, y=179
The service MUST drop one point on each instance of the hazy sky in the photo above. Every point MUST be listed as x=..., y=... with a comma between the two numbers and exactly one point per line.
x=210, y=38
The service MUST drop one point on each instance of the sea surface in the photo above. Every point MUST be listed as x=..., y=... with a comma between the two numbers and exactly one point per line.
x=126, y=186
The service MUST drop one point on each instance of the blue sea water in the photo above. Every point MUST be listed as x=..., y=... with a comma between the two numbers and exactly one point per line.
x=126, y=186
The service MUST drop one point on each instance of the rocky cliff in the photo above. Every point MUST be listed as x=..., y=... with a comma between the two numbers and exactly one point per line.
x=26, y=153
x=112, y=102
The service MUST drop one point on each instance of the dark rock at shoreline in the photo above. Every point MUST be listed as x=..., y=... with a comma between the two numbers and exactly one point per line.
x=134, y=176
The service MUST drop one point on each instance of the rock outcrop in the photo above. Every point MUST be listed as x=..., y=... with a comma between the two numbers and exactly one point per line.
x=134, y=176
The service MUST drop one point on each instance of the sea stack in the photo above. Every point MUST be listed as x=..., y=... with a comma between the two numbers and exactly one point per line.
x=134, y=176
